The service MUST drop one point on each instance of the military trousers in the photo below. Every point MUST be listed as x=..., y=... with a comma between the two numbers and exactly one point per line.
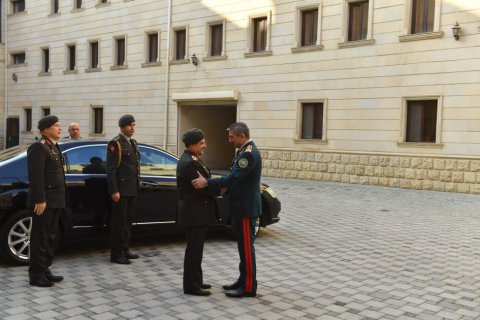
x=123, y=213
x=192, y=264
x=42, y=241
x=245, y=235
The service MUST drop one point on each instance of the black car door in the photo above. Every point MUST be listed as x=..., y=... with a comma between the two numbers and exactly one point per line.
x=157, y=202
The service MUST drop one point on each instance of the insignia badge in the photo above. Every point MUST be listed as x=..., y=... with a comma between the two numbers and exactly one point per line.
x=42, y=141
x=243, y=163
x=194, y=158
x=248, y=149
x=112, y=148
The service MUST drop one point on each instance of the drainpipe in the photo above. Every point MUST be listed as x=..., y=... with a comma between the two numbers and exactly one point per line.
x=5, y=48
x=167, y=75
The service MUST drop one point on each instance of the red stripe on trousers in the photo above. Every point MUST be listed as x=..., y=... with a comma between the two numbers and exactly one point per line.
x=248, y=255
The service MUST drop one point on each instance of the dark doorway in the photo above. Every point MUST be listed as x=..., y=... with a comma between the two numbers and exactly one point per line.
x=13, y=132
x=213, y=120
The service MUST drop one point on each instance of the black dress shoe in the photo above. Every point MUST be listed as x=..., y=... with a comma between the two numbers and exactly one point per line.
x=239, y=293
x=197, y=292
x=120, y=260
x=41, y=282
x=205, y=286
x=53, y=278
x=233, y=286
x=129, y=255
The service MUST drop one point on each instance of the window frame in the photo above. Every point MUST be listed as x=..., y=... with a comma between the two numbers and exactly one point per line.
x=407, y=22
x=344, y=40
x=147, y=62
x=54, y=7
x=13, y=5
x=46, y=111
x=116, y=65
x=68, y=58
x=299, y=130
x=251, y=35
x=91, y=67
x=174, y=40
x=28, y=119
x=75, y=5
x=97, y=123
x=13, y=56
x=45, y=63
x=209, y=40
x=404, y=117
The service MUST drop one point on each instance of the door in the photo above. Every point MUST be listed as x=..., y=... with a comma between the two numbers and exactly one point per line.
x=13, y=132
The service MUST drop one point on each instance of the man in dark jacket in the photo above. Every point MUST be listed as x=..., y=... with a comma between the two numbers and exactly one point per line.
x=123, y=185
x=245, y=204
x=46, y=198
x=196, y=209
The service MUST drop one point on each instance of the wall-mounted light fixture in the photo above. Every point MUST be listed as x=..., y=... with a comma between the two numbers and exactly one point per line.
x=194, y=59
x=456, y=31
x=14, y=77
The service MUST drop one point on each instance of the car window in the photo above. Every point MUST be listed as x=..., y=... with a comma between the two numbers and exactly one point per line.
x=86, y=159
x=154, y=162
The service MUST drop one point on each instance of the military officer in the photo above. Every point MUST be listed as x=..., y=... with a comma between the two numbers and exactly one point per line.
x=46, y=198
x=196, y=209
x=123, y=185
x=245, y=204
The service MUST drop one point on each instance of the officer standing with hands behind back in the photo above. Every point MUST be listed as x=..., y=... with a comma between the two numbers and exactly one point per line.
x=46, y=198
x=123, y=184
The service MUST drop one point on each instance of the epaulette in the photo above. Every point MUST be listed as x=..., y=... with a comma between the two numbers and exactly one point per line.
x=194, y=157
x=248, y=148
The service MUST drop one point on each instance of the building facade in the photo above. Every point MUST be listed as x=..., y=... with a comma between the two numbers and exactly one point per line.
x=358, y=91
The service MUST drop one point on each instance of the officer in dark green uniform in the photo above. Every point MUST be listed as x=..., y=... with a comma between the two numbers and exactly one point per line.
x=123, y=185
x=46, y=198
x=245, y=204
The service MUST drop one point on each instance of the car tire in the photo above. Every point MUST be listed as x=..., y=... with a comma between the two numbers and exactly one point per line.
x=15, y=238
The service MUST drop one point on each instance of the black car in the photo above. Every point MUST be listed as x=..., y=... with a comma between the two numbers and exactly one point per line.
x=89, y=204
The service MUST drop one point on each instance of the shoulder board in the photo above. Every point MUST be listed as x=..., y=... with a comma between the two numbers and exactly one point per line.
x=249, y=148
x=194, y=157
x=42, y=141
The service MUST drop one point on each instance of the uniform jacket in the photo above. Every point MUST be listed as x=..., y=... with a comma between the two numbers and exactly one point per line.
x=46, y=175
x=243, y=183
x=123, y=177
x=195, y=206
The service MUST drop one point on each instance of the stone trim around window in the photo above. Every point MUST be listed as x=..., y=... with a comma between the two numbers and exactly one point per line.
x=150, y=64
x=181, y=61
x=307, y=49
x=420, y=36
x=88, y=70
x=120, y=67
x=358, y=43
x=214, y=58
x=257, y=54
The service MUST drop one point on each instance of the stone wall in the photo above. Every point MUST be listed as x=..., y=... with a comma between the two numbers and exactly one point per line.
x=399, y=171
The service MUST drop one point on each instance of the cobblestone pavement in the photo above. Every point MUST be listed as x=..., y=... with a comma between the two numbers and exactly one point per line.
x=340, y=252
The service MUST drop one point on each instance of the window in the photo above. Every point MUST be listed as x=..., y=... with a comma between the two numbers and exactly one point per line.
x=71, y=57
x=55, y=6
x=357, y=20
x=216, y=40
x=18, y=58
x=103, y=1
x=312, y=121
x=259, y=35
x=120, y=49
x=180, y=44
x=46, y=111
x=154, y=162
x=152, y=48
x=423, y=16
x=45, y=60
x=82, y=159
x=97, y=120
x=94, y=62
x=77, y=4
x=421, y=121
x=18, y=6
x=309, y=27
x=28, y=119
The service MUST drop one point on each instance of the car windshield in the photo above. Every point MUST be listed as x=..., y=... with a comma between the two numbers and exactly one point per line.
x=12, y=152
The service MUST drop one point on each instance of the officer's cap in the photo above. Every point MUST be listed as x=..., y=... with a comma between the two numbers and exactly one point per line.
x=125, y=120
x=192, y=136
x=47, y=122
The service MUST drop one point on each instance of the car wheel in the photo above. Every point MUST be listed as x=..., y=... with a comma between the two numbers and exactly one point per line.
x=15, y=238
